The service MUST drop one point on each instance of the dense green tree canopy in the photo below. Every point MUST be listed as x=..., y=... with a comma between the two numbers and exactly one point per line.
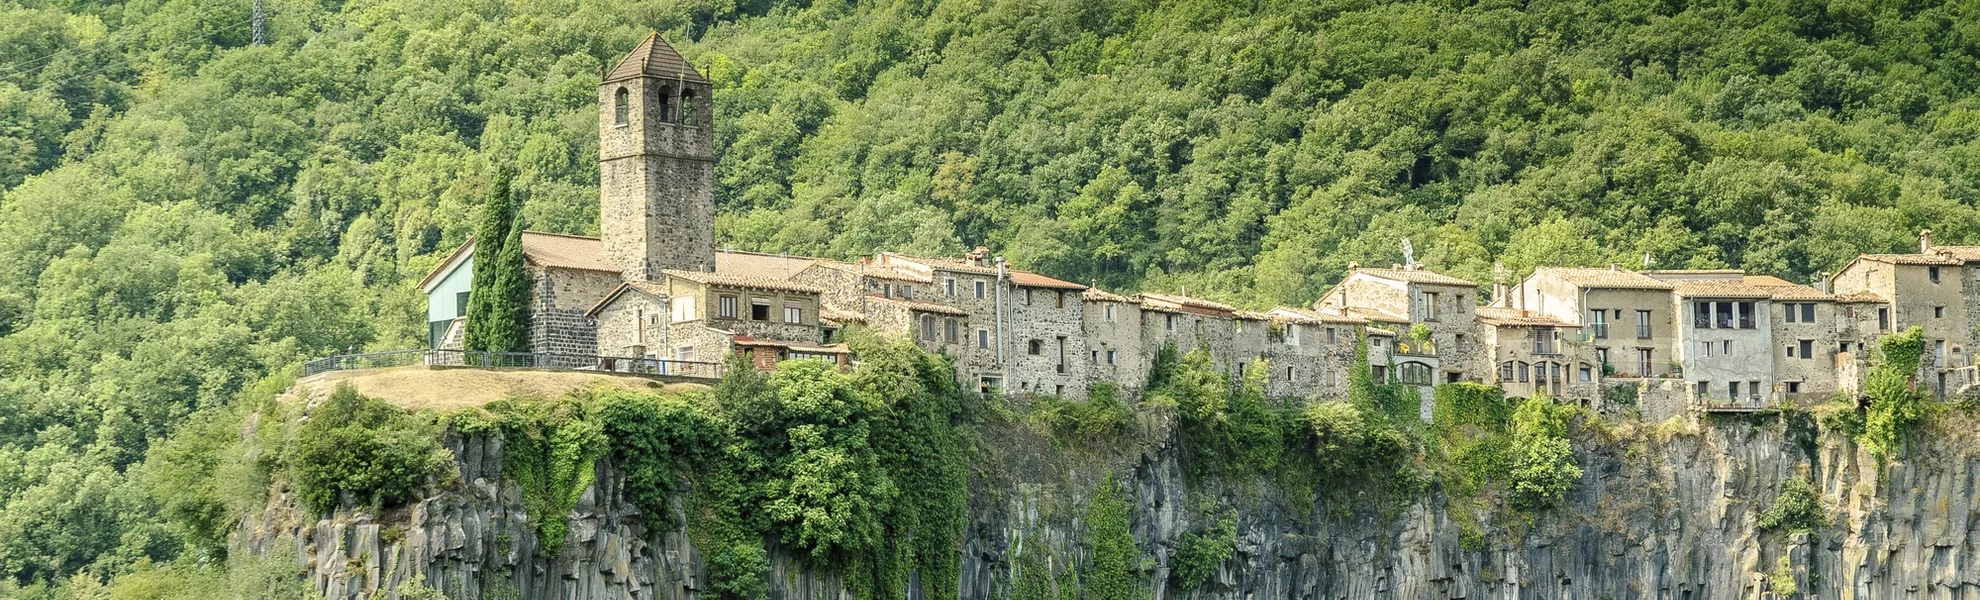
x=182, y=212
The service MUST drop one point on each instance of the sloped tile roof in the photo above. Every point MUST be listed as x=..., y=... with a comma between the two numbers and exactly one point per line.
x=743, y=281
x=1783, y=289
x=1860, y=298
x=1020, y=278
x=917, y=305
x=1099, y=295
x=643, y=286
x=1173, y=303
x=1515, y=317
x=841, y=316
x=1722, y=289
x=558, y=251
x=1605, y=278
x=1912, y=259
x=654, y=57
x=1960, y=253
x=757, y=264
x=1413, y=276
x=1301, y=315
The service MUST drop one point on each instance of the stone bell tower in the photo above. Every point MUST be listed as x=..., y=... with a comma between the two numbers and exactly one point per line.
x=656, y=162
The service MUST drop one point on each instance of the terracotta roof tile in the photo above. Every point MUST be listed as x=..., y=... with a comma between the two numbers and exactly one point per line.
x=1913, y=259
x=558, y=251
x=842, y=316
x=1099, y=295
x=1721, y=289
x=1783, y=289
x=1860, y=297
x=644, y=286
x=1960, y=253
x=1173, y=303
x=757, y=264
x=743, y=281
x=654, y=57
x=1301, y=315
x=1515, y=317
x=1605, y=278
x=1018, y=277
x=1413, y=276
x=917, y=305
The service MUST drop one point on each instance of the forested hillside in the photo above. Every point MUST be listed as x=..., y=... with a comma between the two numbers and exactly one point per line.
x=185, y=213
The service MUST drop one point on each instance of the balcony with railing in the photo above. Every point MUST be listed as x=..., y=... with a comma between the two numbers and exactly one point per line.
x=1416, y=347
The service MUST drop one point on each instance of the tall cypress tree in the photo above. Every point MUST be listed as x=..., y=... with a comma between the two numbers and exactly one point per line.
x=498, y=304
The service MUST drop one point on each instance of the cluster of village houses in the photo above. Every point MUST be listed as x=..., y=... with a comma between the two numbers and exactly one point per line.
x=654, y=290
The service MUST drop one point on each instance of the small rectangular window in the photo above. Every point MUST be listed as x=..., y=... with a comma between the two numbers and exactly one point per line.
x=727, y=307
x=460, y=304
x=950, y=286
x=1794, y=387
x=1643, y=324
x=1728, y=349
x=759, y=310
x=1808, y=348
x=1110, y=357
x=1932, y=273
x=1808, y=312
x=1793, y=313
x=983, y=338
x=979, y=289
x=1110, y=312
x=1938, y=312
x=951, y=331
x=793, y=314
x=1060, y=302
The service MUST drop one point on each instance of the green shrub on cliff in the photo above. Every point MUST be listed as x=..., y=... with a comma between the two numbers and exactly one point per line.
x=1201, y=554
x=1895, y=402
x=1797, y=508
x=1113, y=561
x=1543, y=469
x=367, y=449
x=1223, y=430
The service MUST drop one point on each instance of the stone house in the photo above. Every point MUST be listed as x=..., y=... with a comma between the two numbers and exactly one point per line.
x=1625, y=315
x=934, y=327
x=1532, y=353
x=1332, y=341
x=1724, y=341
x=568, y=276
x=1927, y=290
x=1443, y=304
x=1112, y=330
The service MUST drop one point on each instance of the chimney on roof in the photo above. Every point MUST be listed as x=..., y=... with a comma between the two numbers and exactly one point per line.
x=1822, y=282
x=980, y=256
x=1924, y=241
x=1395, y=266
x=1353, y=265
x=1614, y=268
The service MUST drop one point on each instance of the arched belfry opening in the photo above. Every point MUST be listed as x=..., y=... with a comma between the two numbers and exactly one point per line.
x=621, y=106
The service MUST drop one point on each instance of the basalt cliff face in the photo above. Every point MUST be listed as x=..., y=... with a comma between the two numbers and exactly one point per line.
x=1666, y=511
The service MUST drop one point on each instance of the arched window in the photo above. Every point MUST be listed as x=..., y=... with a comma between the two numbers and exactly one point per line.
x=1413, y=373
x=1505, y=371
x=666, y=106
x=621, y=106
x=687, y=107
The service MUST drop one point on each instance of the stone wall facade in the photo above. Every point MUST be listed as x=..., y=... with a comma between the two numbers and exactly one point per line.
x=635, y=325
x=558, y=303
